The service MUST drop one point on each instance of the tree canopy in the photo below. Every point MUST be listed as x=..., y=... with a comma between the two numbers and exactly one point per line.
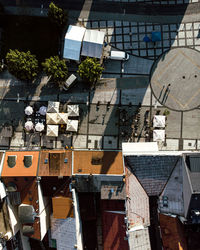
x=90, y=70
x=56, y=69
x=22, y=65
x=57, y=15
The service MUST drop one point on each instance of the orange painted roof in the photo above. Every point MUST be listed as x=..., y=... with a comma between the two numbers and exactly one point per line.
x=19, y=169
x=53, y=163
x=98, y=162
x=172, y=231
x=62, y=207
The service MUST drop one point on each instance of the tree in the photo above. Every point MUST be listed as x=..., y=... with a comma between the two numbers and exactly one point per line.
x=56, y=69
x=90, y=70
x=57, y=15
x=22, y=65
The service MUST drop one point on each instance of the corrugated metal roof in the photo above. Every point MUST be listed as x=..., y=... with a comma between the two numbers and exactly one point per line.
x=152, y=171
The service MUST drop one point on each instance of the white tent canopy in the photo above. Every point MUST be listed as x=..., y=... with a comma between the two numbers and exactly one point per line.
x=52, y=130
x=29, y=125
x=43, y=110
x=93, y=43
x=72, y=125
x=51, y=118
x=62, y=118
x=39, y=127
x=53, y=107
x=159, y=135
x=159, y=121
x=73, y=110
x=28, y=110
x=73, y=41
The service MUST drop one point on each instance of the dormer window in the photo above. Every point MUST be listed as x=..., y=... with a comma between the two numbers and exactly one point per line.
x=11, y=161
x=28, y=161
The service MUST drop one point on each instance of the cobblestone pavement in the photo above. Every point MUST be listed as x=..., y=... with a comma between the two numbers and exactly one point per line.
x=128, y=36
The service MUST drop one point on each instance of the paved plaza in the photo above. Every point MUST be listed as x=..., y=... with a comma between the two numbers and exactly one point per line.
x=128, y=36
x=175, y=79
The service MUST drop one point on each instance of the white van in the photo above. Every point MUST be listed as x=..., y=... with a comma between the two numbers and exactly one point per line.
x=119, y=55
x=69, y=82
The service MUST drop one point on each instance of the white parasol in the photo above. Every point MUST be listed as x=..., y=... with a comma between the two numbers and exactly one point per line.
x=43, y=110
x=29, y=125
x=28, y=110
x=39, y=127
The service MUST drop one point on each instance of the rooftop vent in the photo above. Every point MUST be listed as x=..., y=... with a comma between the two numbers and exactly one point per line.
x=28, y=160
x=11, y=187
x=11, y=161
x=26, y=213
x=46, y=161
x=96, y=161
x=27, y=230
x=65, y=160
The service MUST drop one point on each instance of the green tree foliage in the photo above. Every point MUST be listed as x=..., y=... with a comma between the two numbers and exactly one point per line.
x=90, y=70
x=56, y=69
x=22, y=65
x=57, y=15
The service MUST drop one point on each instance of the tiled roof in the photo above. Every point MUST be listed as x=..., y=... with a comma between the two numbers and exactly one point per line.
x=172, y=232
x=193, y=166
x=98, y=162
x=113, y=225
x=16, y=163
x=113, y=190
x=151, y=171
x=55, y=163
x=139, y=239
x=137, y=202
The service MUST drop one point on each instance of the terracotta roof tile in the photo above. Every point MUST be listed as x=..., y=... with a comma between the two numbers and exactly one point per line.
x=172, y=233
x=17, y=167
x=98, y=162
x=55, y=163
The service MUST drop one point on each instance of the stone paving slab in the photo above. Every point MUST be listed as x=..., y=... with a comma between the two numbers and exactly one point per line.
x=105, y=97
x=191, y=124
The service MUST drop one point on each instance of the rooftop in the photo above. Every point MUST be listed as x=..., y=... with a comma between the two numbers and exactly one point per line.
x=98, y=162
x=55, y=163
x=137, y=202
x=152, y=171
x=172, y=233
x=193, y=167
x=139, y=239
x=20, y=163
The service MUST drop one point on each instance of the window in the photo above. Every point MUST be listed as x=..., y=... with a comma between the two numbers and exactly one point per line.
x=11, y=161
x=28, y=161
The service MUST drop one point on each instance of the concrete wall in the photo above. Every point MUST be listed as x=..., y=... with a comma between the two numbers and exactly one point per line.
x=78, y=221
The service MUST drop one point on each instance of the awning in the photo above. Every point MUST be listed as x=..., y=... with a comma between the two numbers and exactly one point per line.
x=159, y=135
x=53, y=107
x=93, y=43
x=159, y=121
x=52, y=130
x=72, y=125
x=39, y=127
x=28, y=125
x=28, y=110
x=73, y=41
x=51, y=118
x=43, y=110
x=73, y=110
x=62, y=118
